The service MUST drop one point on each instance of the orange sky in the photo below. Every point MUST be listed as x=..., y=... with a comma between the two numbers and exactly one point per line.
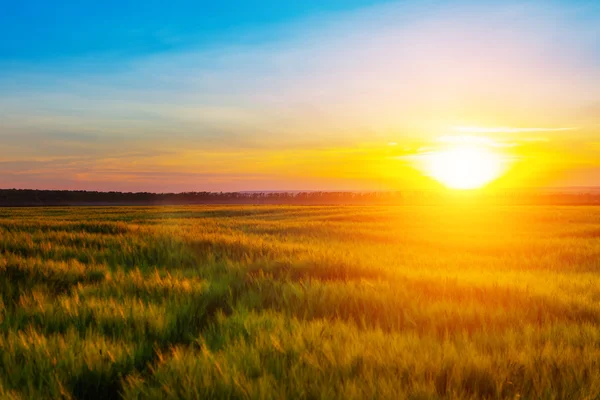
x=345, y=100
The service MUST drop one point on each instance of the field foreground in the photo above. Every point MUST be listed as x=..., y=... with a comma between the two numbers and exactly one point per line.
x=300, y=302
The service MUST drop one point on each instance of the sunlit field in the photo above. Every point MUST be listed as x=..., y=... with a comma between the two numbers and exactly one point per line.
x=300, y=302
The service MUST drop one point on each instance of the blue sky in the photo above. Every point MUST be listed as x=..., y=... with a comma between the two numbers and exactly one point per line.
x=290, y=95
x=47, y=31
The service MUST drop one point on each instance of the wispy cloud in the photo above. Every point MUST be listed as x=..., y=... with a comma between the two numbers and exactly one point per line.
x=475, y=140
x=498, y=129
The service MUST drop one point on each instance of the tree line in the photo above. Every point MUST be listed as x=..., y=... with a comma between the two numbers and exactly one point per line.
x=26, y=197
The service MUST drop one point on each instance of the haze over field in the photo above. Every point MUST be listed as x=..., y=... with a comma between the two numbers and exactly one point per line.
x=337, y=95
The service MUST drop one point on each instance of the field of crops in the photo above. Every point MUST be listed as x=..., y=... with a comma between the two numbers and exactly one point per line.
x=300, y=302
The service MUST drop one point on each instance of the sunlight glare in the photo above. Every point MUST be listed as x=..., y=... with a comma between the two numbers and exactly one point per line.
x=464, y=165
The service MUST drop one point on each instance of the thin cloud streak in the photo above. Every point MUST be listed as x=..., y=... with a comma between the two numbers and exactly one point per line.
x=481, y=129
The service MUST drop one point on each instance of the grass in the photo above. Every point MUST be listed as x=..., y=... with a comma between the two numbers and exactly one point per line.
x=278, y=302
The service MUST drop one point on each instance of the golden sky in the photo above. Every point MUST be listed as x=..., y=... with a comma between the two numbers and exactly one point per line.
x=353, y=99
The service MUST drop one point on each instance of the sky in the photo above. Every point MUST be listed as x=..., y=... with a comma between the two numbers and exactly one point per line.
x=297, y=95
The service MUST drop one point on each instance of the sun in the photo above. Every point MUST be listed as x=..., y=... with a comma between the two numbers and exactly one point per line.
x=463, y=165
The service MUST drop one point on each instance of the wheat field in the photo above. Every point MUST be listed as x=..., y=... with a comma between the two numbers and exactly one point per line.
x=273, y=302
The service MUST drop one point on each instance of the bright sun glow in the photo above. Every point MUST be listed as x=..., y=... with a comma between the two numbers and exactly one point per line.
x=463, y=165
